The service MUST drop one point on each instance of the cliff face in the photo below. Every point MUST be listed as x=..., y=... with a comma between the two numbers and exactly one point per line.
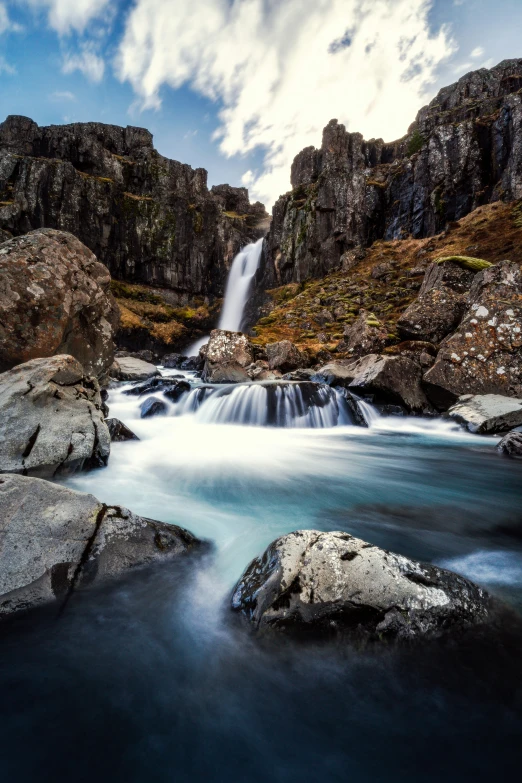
x=464, y=150
x=147, y=218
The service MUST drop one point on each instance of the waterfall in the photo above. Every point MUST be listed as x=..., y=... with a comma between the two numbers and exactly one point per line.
x=368, y=412
x=240, y=278
x=239, y=283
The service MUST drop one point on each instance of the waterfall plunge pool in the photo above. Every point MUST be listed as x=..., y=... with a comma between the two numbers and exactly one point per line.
x=148, y=681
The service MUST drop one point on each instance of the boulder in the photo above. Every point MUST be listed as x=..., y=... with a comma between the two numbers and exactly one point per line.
x=258, y=371
x=226, y=357
x=119, y=431
x=440, y=305
x=173, y=361
x=366, y=335
x=336, y=373
x=51, y=422
x=304, y=374
x=322, y=583
x=54, y=541
x=55, y=299
x=152, y=407
x=127, y=368
x=170, y=387
x=484, y=355
x=511, y=445
x=283, y=356
x=391, y=379
x=487, y=413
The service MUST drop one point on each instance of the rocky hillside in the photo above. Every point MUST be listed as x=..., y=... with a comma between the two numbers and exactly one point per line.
x=384, y=281
x=149, y=219
x=464, y=150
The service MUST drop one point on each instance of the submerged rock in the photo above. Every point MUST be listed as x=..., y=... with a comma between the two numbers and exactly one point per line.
x=127, y=368
x=487, y=413
x=119, y=431
x=511, y=445
x=51, y=419
x=323, y=583
x=170, y=387
x=152, y=407
x=55, y=299
x=54, y=541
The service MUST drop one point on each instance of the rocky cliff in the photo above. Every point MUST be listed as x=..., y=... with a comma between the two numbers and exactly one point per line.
x=464, y=150
x=149, y=219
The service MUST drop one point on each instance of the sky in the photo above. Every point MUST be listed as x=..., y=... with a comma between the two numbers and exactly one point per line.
x=239, y=87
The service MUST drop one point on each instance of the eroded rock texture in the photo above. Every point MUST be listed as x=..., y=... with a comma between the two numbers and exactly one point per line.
x=51, y=419
x=148, y=218
x=329, y=582
x=55, y=299
x=54, y=540
x=463, y=150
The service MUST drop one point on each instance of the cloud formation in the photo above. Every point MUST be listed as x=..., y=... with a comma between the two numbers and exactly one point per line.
x=281, y=70
x=66, y=16
x=87, y=61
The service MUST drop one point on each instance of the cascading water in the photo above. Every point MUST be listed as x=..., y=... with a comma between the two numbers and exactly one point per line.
x=239, y=284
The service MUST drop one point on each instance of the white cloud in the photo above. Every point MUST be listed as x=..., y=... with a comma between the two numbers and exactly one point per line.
x=190, y=134
x=66, y=16
x=248, y=178
x=478, y=51
x=64, y=95
x=282, y=70
x=6, y=24
x=6, y=67
x=87, y=61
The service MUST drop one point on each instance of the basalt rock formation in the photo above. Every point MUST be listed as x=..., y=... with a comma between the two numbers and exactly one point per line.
x=147, y=218
x=464, y=150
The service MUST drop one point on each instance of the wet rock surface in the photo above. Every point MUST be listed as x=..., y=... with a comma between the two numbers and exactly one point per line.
x=511, y=445
x=55, y=299
x=119, y=431
x=324, y=583
x=487, y=413
x=51, y=419
x=392, y=379
x=54, y=541
x=152, y=407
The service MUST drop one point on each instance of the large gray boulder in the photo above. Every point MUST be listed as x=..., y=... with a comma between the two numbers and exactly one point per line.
x=54, y=540
x=128, y=368
x=51, y=419
x=326, y=582
x=391, y=379
x=227, y=356
x=440, y=305
x=366, y=335
x=484, y=355
x=284, y=356
x=487, y=413
x=55, y=299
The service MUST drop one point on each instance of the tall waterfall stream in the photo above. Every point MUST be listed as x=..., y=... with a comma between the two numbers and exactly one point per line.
x=165, y=687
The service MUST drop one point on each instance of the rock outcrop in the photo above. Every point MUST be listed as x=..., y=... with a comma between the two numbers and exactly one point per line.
x=324, y=583
x=55, y=299
x=127, y=368
x=487, y=413
x=119, y=431
x=463, y=150
x=226, y=357
x=51, y=419
x=54, y=541
x=283, y=356
x=149, y=219
x=484, y=355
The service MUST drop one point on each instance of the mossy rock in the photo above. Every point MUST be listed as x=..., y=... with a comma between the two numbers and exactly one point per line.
x=476, y=264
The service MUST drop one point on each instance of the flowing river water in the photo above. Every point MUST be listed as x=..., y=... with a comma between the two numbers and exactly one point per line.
x=151, y=680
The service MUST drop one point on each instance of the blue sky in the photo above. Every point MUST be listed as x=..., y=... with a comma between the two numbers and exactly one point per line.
x=240, y=86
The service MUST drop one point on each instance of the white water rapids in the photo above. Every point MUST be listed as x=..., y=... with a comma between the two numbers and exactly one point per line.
x=239, y=285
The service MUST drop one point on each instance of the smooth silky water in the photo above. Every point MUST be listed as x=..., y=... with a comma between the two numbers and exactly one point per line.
x=151, y=679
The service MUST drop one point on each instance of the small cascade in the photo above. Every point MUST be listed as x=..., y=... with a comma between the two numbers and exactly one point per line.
x=368, y=412
x=239, y=284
